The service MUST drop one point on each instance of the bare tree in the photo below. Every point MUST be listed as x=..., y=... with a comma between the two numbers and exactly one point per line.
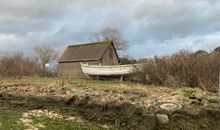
x=113, y=34
x=44, y=54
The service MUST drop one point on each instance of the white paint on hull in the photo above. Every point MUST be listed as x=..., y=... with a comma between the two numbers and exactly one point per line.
x=110, y=70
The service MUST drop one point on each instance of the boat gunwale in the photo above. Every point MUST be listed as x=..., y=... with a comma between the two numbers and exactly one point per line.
x=110, y=66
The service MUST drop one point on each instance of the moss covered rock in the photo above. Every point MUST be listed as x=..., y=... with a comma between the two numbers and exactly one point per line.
x=162, y=119
x=213, y=99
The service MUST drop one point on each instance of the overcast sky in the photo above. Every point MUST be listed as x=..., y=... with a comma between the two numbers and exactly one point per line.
x=152, y=27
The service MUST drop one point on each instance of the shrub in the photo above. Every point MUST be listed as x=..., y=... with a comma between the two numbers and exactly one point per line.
x=184, y=69
x=15, y=65
x=127, y=60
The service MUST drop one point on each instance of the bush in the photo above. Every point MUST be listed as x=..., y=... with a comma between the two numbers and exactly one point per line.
x=15, y=65
x=127, y=60
x=184, y=69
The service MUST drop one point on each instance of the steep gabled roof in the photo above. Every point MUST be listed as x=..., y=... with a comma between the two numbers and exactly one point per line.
x=85, y=52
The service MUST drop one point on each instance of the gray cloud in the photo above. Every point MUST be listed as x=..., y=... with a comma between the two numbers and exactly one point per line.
x=148, y=25
x=177, y=18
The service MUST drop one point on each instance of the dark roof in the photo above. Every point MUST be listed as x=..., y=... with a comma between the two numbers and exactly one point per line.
x=85, y=52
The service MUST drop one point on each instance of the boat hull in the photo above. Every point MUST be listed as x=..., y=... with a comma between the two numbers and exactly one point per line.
x=114, y=70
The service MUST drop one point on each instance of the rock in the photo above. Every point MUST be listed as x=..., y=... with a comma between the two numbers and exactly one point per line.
x=39, y=125
x=68, y=92
x=162, y=119
x=50, y=90
x=199, y=96
x=17, y=102
x=213, y=99
x=192, y=96
x=194, y=102
x=72, y=100
x=204, y=102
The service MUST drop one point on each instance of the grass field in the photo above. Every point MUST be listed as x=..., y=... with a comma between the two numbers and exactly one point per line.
x=11, y=119
x=43, y=104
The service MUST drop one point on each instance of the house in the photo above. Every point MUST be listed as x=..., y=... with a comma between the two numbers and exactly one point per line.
x=103, y=53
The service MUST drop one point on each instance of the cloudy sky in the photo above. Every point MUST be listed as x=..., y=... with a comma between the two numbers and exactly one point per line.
x=152, y=27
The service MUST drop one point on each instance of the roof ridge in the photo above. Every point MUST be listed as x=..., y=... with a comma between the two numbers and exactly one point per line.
x=91, y=43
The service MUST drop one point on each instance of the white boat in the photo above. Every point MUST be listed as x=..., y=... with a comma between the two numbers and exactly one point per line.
x=114, y=70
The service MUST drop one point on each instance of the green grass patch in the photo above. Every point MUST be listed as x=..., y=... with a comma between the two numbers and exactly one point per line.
x=9, y=120
x=59, y=124
x=47, y=80
x=31, y=80
x=187, y=92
